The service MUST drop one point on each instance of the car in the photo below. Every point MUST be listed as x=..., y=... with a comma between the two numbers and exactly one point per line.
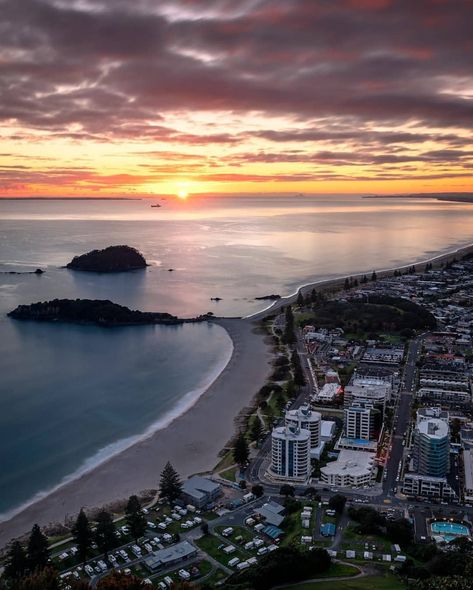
x=151, y=525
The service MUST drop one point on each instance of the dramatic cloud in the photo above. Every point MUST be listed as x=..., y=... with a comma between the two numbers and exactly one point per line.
x=279, y=88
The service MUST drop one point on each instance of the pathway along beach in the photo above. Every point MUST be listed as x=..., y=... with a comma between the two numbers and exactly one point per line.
x=193, y=440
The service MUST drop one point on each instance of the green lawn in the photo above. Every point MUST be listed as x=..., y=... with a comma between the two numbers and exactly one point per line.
x=340, y=570
x=229, y=474
x=239, y=531
x=210, y=545
x=366, y=583
x=217, y=576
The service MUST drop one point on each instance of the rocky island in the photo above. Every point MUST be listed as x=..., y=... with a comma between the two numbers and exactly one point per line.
x=91, y=311
x=111, y=259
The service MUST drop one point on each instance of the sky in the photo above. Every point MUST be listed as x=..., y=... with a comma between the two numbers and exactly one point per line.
x=148, y=97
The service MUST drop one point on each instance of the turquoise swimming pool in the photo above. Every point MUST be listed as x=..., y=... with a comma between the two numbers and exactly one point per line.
x=449, y=530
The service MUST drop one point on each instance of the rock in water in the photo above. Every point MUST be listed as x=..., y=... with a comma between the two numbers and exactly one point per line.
x=111, y=259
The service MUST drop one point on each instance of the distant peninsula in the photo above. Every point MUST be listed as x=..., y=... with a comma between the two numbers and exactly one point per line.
x=111, y=259
x=92, y=311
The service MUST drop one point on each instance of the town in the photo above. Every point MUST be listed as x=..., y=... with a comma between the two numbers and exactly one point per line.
x=357, y=452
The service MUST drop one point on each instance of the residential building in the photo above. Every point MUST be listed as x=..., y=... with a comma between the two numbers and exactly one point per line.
x=306, y=419
x=351, y=469
x=468, y=471
x=290, y=454
x=432, y=447
x=360, y=421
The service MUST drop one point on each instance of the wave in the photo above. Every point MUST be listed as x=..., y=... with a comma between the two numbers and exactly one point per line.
x=185, y=403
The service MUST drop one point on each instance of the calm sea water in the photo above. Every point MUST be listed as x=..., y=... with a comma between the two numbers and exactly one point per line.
x=70, y=396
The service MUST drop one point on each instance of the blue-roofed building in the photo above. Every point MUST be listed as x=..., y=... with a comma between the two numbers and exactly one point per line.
x=328, y=529
x=272, y=531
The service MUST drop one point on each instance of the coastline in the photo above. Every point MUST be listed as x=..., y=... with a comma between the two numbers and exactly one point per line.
x=336, y=283
x=193, y=439
x=191, y=442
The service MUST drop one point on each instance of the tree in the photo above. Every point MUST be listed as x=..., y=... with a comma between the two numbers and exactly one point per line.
x=135, y=519
x=16, y=561
x=346, y=284
x=241, y=452
x=312, y=494
x=82, y=535
x=337, y=503
x=299, y=378
x=257, y=490
x=38, y=549
x=289, y=335
x=287, y=490
x=121, y=581
x=44, y=579
x=204, y=527
x=256, y=430
x=374, y=276
x=170, y=485
x=399, y=531
x=105, y=533
x=300, y=299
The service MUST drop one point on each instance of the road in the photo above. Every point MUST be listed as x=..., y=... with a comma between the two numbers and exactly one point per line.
x=401, y=420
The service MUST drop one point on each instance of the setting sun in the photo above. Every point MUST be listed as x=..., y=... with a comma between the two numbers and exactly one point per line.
x=183, y=194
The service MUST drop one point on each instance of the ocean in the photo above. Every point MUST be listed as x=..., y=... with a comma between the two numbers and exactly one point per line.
x=71, y=396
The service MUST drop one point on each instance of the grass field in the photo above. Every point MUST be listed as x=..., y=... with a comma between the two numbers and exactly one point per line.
x=366, y=583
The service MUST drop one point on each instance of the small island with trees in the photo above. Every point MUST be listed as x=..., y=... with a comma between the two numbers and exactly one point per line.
x=92, y=311
x=111, y=259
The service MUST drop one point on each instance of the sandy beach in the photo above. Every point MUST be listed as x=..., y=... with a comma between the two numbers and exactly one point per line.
x=191, y=442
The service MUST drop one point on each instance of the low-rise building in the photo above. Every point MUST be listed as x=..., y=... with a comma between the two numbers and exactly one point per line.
x=351, y=469
x=169, y=556
x=416, y=484
x=200, y=491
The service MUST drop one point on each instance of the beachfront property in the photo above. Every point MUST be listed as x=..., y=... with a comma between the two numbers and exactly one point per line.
x=290, y=454
x=306, y=419
x=352, y=469
x=169, y=556
x=200, y=491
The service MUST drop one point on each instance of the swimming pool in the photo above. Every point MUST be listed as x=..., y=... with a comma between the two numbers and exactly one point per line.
x=449, y=530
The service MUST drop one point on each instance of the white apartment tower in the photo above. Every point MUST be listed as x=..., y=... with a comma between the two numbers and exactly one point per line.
x=290, y=454
x=306, y=419
x=360, y=422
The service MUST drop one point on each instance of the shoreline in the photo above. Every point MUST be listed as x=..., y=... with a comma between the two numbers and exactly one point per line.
x=138, y=467
x=337, y=282
x=111, y=450
x=191, y=442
